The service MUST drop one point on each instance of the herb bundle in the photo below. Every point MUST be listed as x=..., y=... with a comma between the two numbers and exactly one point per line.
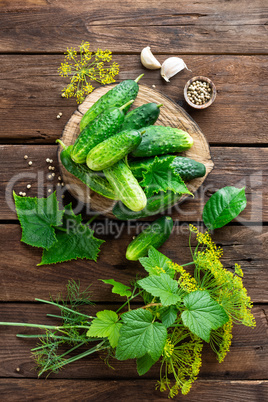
x=181, y=311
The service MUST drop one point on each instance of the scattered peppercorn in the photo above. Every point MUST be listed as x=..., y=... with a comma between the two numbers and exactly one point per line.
x=28, y=186
x=25, y=156
x=30, y=163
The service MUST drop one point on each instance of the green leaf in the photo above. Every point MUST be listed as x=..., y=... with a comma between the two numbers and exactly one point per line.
x=161, y=286
x=74, y=240
x=168, y=315
x=144, y=364
x=161, y=176
x=105, y=325
x=157, y=263
x=223, y=206
x=139, y=335
x=118, y=287
x=37, y=217
x=203, y=314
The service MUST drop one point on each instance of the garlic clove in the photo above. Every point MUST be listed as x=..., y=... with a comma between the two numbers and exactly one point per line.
x=172, y=66
x=148, y=60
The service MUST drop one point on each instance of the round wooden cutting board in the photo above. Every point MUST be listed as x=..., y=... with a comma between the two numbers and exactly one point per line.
x=170, y=115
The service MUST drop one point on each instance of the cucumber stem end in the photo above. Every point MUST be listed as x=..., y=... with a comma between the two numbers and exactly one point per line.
x=138, y=78
x=61, y=143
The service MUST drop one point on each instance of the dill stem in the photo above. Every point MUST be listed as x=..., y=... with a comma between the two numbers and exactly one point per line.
x=77, y=357
x=58, y=337
x=56, y=316
x=24, y=324
x=64, y=308
x=128, y=300
x=189, y=263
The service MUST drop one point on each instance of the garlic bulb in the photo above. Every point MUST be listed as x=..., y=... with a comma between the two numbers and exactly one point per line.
x=148, y=59
x=172, y=66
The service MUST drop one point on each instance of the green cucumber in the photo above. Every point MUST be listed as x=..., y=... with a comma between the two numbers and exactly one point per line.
x=142, y=116
x=155, y=235
x=159, y=140
x=115, y=97
x=187, y=168
x=110, y=151
x=103, y=127
x=156, y=204
x=126, y=186
x=93, y=180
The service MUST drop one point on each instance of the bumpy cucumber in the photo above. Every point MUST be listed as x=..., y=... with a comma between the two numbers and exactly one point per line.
x=156, y=204
x=93, y=180
x=159, y=140
x=142, y=116
x=116, y=97
x=187, y=168
x=103, y=127
x=126, y=186
x=154, y=235
x=110, y=151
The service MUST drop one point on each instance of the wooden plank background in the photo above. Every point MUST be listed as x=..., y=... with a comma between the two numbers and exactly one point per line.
x=224, y=40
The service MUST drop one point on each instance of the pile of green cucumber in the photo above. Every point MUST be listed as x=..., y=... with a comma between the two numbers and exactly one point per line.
x=108, y=134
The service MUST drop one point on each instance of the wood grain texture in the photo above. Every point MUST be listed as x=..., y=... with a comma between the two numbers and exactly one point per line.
x=238, y=116
x=233, y=167
x=207, y=35
x=199, y=27
x=22, y=280
x=14, y=390
x=172, y=115
x=246, y=360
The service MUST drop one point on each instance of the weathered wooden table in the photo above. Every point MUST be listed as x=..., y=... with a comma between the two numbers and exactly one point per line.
x=224, y=40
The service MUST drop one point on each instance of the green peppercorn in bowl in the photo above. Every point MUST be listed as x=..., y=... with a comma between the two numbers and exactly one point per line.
x=200, y=92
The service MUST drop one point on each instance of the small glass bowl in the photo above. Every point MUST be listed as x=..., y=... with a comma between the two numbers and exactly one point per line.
x=202, y=79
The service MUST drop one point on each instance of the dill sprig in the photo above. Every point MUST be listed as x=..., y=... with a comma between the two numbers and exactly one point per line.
x=84, y=67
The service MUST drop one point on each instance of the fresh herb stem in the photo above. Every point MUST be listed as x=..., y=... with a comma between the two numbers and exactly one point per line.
x=63, y=338
x=77, y=357
x=189, y=263
x=57, y=316
x=22, y=324
x=60, y=306
x=128, y=300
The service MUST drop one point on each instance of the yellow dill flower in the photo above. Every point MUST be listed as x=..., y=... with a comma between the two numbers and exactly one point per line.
x=182, y=359
x=65, y=69
x=238, y=270
x=224, y=286
x=86, y=67
x=193, y=228
x=221, y=339
x=168, y=349
x=186, y=281
x=70, y=53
